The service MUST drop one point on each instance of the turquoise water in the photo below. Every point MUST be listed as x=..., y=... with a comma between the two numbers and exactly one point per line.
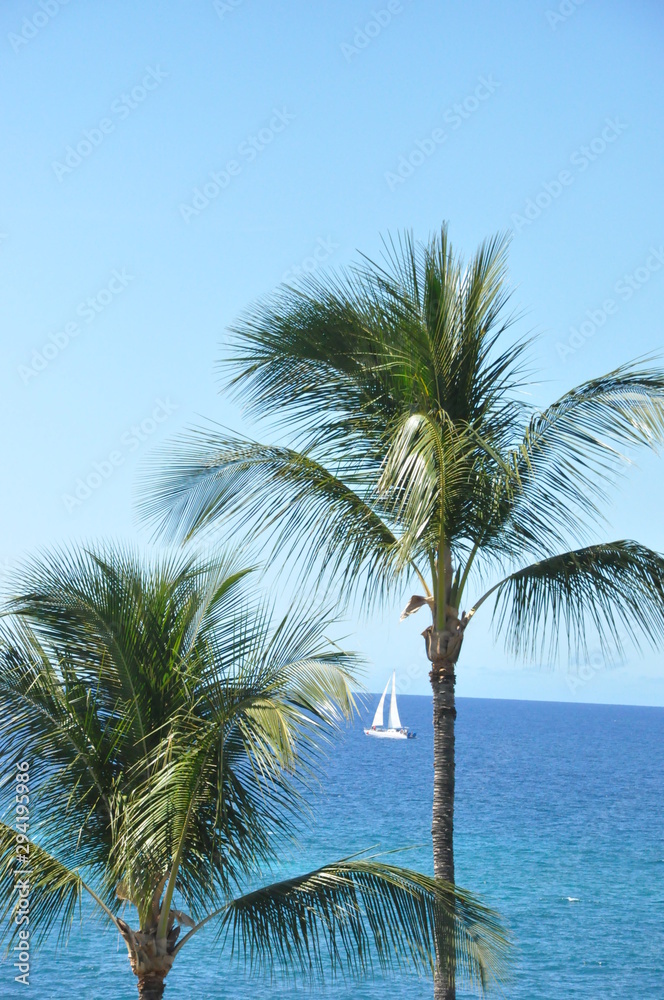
x=559, y=825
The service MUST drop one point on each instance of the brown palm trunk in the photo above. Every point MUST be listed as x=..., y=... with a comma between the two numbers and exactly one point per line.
x=444, y=714
x=442, y=826
x=150, y=957
x=443, y=647
x=151, y=987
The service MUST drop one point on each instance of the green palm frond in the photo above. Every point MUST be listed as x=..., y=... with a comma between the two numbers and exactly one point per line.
x=433, y=477
x=230, y=777
x=317, y=517
x=53, y=890
x=127, y=632
x=356, y=913
x=49, y=715
x=616, y=588
x=585, y=437
x=414, y=331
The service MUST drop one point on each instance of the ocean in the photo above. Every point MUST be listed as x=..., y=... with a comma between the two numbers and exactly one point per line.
x=559, y=825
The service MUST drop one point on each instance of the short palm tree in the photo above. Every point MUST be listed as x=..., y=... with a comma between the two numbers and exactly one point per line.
x=413, y=455
x=168, y=730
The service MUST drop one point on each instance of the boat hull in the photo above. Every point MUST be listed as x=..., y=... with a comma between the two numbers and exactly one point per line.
x=390, y=734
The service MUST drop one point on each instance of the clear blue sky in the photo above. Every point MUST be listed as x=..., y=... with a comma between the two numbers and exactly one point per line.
x=170, y=92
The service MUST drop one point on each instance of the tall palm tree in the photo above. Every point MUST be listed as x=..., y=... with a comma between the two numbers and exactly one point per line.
x=413, y=455
x=168, y=730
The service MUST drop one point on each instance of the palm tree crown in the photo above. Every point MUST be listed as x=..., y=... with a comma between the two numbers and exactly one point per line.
x=416, y=455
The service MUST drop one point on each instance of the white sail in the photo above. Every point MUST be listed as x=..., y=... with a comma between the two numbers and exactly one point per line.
x=393, y=720
x=378, y=717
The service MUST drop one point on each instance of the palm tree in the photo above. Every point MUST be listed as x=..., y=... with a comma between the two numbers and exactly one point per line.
x=168, y=730
x=413, y=455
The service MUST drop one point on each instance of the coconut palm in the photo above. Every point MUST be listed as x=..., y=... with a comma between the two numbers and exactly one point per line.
x=413, y=455
x=169, y=730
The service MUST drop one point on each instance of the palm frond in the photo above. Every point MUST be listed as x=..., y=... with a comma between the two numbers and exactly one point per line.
x=357, y=349
x=584, y=439
x=49, y=715
x=52, y=890
x=223, y=788
x=616, y=588
x=329, y=524
x=356, y=913
x=433, y=479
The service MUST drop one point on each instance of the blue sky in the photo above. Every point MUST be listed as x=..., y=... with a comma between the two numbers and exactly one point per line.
x=118, y=281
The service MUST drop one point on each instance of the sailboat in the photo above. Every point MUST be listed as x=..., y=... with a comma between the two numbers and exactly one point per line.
x=394, y=730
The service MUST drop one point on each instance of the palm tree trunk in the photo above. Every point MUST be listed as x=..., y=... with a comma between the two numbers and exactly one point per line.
x=151, y=987
x=443, y=647
x=150, y=958
x=444, y=714
x=442, y=826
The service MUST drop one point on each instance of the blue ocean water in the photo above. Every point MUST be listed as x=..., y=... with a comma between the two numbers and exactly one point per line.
x=559, y=826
